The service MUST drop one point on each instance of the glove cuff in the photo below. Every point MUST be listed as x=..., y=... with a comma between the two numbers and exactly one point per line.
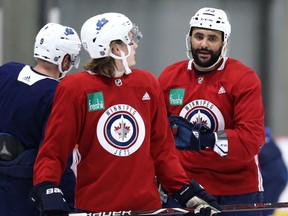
x=221, y=143
x=188, y=191
x=208, y=140
x=48, y=198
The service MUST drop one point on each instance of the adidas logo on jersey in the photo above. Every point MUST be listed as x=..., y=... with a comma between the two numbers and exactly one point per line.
x=146, y=96
x=221, y=90
x=26, y=78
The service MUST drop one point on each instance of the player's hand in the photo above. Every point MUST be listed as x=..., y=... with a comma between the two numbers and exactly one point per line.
x=182, y=131
x=194, y=195
x=49, y=199
x=202, y=137
x=205, y=210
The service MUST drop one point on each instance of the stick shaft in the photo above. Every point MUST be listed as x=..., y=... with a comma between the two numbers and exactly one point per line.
x=179, y=211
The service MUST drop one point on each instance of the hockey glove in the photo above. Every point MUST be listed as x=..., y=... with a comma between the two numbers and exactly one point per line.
x=194, y=195
x=182, y=131
x=49, y=199
x=202, y=136
x=204, y=210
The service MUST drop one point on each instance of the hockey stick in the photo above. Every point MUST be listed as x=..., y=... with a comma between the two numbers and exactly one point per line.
x=179, y=211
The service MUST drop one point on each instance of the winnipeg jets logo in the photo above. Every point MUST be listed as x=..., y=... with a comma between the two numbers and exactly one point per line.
x=121, y=130
x=205, y=112
x=199, y=119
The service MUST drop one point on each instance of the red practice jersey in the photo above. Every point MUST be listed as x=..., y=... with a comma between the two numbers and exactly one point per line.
x=123, y=136
x=228, y=98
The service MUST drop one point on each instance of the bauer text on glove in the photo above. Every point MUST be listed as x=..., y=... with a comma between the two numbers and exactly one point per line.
x=49, y=199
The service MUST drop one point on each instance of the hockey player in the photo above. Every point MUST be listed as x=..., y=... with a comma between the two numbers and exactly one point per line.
x=117, y=117
x=214, y=105
x=26, y=96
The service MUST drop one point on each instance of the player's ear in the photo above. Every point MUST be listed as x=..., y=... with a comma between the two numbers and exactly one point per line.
x=66, y=62
x=67, y=58
x=115, y=48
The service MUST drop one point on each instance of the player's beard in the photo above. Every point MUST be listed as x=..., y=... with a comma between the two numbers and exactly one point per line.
x=213, y=59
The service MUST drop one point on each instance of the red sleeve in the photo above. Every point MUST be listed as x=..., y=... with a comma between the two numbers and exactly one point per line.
x=248, y=119
x=168, y=168
x=65, y=118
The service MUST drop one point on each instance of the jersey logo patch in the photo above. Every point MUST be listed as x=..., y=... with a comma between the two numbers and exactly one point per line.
x=222, y=90
x=118, y=82
x=29, y=77
x=121, y=130
x=204, y=111
x=200, y=80
x=146, y=96
x=95, y=101
x=176, y=96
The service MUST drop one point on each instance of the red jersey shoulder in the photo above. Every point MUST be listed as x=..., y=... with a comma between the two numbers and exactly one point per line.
x=143, y=73
x=83, y=80
x=177, y=72
x=74, y=83
x=235, y=75
x=174, y=68
x=236, y=70
x=143, y=76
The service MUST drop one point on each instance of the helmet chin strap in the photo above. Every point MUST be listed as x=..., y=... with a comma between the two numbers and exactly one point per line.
x=123, y=57
x=124, y=62
x=63, y=73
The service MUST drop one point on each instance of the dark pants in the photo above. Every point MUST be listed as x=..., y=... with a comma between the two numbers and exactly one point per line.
x=14, y=199
x=245, y=199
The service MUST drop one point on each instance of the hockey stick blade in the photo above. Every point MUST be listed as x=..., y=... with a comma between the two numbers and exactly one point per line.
x=181, y=211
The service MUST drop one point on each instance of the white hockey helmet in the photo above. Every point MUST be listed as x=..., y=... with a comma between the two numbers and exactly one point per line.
x=99, y=31
x=54, y=41
x=210, y=18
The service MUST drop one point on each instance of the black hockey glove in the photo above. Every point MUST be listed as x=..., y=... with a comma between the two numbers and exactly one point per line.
x=203, y=137
x=186, y=134
x=204, y=211
x=182, y=131
x=194, y=195
x=197, y=137
x=49, y=199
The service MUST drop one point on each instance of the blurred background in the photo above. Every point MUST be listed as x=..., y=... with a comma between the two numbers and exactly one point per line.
x=258, y=38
